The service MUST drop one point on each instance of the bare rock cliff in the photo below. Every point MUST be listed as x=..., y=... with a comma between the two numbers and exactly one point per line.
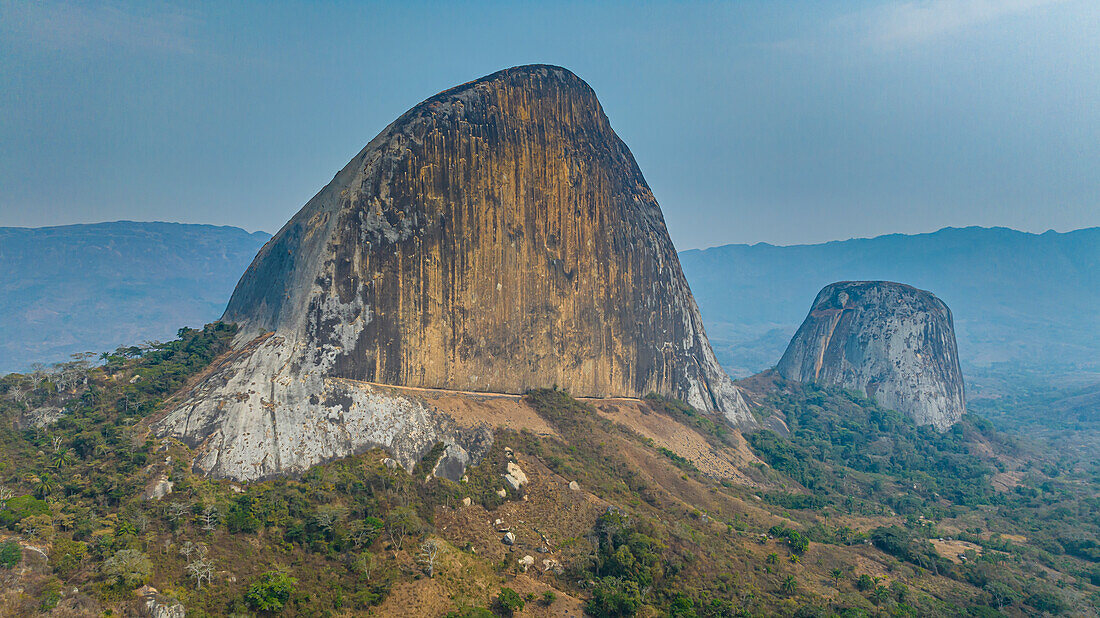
x=892, y=341
x=497, y=237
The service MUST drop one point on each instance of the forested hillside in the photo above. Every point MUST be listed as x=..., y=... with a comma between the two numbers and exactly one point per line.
x=844, y=509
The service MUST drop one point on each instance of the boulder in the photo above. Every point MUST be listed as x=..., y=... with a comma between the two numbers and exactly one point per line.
x=889, y=340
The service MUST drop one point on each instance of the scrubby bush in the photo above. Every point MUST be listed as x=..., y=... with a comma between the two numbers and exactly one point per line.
x=508, y=602
x=11, y=554
x=270, y=591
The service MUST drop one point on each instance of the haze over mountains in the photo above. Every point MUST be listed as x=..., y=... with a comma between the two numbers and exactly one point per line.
x=80, y=288
x=1030, y=300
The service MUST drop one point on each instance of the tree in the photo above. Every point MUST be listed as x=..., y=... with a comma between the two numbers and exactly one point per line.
x=836, y=575
x=189, y=548
x=364, y=532
x=429, y=552
x=865, y=583
x=400, y=523
x=508, y=602
x=1001, y=595
x=128, y=567
x=612, y=597
x=364, y=563
x=880, y=594
x=772, y=558
x=327, y=517
x=200, y=569
x=209, y=518
x=44, y=487
x=789, y=584
x=271, y=591
x=176, y=511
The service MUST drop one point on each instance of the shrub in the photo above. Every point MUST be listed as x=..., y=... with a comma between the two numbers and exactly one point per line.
x=11, y=554
x=270, y=591
x=21, y=507
x=508, y=602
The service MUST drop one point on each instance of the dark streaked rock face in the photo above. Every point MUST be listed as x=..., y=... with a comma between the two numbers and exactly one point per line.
x=892, y=341
x=497, y=237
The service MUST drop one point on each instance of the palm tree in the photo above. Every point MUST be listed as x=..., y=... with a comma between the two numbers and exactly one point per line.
x=61, y=458
x=44, y=487
x=772, y=558
x=880, y=594
x=789, y=584
x=837, y=574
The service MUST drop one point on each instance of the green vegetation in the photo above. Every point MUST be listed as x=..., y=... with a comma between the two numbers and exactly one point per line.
x=852, y=486
x=508, y=602
x=270, y=592
x=834, y=433
x=856, y=459
x=11, y=554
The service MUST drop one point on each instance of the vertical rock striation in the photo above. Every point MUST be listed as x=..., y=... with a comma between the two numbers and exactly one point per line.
x=892, y=341
x=497, y=237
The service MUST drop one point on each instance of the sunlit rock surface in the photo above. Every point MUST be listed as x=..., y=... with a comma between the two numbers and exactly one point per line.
x=495, y=238
x=892, y=341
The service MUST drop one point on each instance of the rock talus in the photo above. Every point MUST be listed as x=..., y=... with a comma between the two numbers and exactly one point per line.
x=497, y=237
x=892, y=341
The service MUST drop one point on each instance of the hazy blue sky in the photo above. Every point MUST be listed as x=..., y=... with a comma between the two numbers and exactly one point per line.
x=753, y=121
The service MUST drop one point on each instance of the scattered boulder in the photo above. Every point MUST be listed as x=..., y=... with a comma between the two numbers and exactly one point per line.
x=515, y=478
x=526, y=562
x=574, y=486
x=508, y=539
x=158, y=488
x=549, y=564
x=503, y=493
x=517, y=473
x=452, y=464
x=390, y=463
x=156, y=605
x=467, y=501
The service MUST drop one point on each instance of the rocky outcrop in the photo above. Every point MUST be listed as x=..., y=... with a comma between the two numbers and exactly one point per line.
x=892, y=341
x=155, y=605
x=497, y=237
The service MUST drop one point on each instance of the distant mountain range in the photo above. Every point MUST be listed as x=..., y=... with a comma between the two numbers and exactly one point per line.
x=1026, y=300
x=78, y=288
